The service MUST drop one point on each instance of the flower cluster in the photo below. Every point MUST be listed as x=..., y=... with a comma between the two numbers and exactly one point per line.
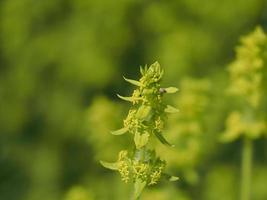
x=246, y=81
x=148, y=170
x=148, y=111
x=245, y=71
x=123, y=166
x=238, y=125
x=145, y=119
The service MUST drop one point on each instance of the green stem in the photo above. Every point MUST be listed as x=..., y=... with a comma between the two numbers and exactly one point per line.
x=247, y=153
x=139, y=156
x=133, y=195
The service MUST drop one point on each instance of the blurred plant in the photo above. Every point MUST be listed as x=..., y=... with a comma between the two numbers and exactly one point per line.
x=187, y=128
x=246, y=82
x=101, y=116
x=145, y=119
x=220, y=183
x=78, y=193
x=165, y=193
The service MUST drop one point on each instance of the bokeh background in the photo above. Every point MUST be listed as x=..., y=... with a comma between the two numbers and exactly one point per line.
x=61, y=65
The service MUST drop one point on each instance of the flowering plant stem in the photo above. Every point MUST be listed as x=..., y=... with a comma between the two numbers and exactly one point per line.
x=145, y=119
x=246, y=167
x=247, y=78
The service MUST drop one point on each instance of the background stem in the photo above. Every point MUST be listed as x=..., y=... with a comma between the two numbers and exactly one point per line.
x=247, y=153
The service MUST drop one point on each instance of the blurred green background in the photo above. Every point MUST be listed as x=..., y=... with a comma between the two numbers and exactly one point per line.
x=61, y=65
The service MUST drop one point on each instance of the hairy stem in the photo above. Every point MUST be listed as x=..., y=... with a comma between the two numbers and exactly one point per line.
x=247, y=154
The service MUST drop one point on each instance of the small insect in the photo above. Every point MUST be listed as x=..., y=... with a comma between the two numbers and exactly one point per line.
x=162, y=90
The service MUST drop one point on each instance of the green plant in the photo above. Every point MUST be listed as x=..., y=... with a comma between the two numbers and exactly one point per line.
x=145, y=120
x=246, y=84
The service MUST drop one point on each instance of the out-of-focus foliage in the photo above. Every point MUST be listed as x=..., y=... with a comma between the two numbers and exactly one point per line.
x=246, y=76
x=167, y=192
x=78, y=193
x=62, y=61
x=187, y=129
x=246, y=70
x=221, y=183
x=102, y=116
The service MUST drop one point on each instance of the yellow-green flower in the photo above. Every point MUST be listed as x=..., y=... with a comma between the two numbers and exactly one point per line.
x=145, y=119
x=245, y=71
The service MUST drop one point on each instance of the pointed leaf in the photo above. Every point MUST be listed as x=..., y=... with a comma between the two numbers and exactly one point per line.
x=162, y=139
x=171, y=178
x=142, y=71
x=171, y=90
x=108, y=165
x=140, y=140
x=146, y=68
x=161, y=73
x=170, y=109
x=139, y=185
x=125, y=98
x=120, y=131
x=134, y=82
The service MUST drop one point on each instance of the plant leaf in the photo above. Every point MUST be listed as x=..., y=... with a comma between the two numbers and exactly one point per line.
x=170, y=177
x=140, y=140
x=108, y=165
x=173, y=178
x=139, y=185
x=146, y=68
x=162, y=73
x=170, y=109
x=119, y=131
x=142, y=71
x=162, y=139
x=171, y=90
x=134, y=82
x=125, y=98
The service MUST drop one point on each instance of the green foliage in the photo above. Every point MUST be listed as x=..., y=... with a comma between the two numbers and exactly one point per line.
x=78, y=193
x=187, y=130
x=221, y=183
x=97, y=122
x=60, y=64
